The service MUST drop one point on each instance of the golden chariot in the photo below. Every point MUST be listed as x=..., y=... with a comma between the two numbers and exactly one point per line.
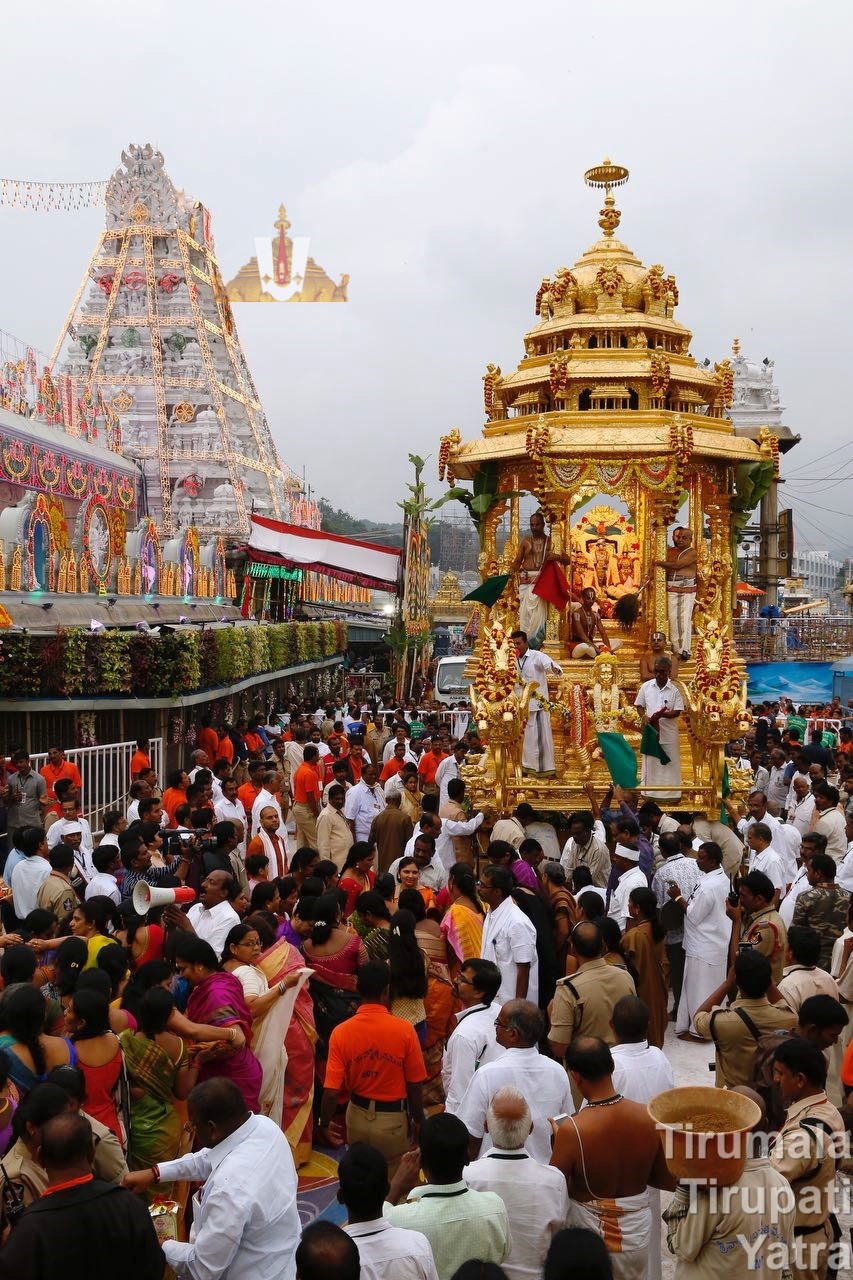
x=609, y=403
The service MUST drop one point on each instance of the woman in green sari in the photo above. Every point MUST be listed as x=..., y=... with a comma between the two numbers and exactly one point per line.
x=158, y=1072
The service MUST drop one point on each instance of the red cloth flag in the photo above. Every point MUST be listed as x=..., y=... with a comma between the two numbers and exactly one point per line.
x=551, y=585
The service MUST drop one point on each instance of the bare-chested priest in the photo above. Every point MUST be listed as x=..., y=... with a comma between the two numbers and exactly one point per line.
x=532, y=553
x=610, y=1154
x=656, y=649
x=680, y=567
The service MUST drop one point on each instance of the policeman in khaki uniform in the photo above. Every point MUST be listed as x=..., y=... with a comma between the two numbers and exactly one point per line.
x=763, y=928
x=583, y=1004
x=806, y=1152
x=736, y=1030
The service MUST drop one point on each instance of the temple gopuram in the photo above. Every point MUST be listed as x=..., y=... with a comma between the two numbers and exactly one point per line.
x=619, y=435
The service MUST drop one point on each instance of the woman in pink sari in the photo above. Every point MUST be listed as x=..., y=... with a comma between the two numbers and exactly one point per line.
x=217, y=998
x=297, y=1122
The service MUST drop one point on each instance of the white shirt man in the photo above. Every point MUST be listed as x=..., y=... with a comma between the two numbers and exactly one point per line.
x=27, y=878
x=707, y=933
x=446, y=772
x=541, y=1080
x=633, y=878
x=641, y=1071
x=232, y=811
x=770, y=863
x=509, y=939
x=793, y=840
x=777, y=844
x=800, y=812
x=777, y=788
x=470, y=1046
x=800, y=884
x=361, y=807
x=387, y=1252
x=213, y=924
x=592, y=853
x=388, y=751
x=103, y=885
x=663, y=781
x=444, y=850
x=535, y=666
x=250, y=1189
x=522, y=1183
x=56, y=833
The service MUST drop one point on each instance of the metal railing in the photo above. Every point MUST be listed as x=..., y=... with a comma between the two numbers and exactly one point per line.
x=797, y=639
x=105, y=773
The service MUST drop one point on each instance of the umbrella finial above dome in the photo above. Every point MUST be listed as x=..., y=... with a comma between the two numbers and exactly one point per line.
x=607, y=176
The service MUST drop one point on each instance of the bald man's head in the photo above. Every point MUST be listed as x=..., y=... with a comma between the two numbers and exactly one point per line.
x=587, y=941
x=508, y=1119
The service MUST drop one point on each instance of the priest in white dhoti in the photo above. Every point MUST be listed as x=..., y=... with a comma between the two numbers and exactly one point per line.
x=535, y=666
x=707, y=935
x=662, y=704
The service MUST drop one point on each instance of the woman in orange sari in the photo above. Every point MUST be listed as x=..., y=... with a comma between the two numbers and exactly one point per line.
x=276, y=963
x=462, y=923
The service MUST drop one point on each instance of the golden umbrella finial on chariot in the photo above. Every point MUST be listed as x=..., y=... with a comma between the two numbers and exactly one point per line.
x=607, y=176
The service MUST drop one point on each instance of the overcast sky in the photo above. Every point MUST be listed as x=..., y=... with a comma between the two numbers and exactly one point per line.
x=436, y=153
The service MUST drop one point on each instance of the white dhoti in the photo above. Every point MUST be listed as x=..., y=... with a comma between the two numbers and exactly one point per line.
x=532, y=614
x=700, y=979
x=680, y=603
x=625, y=1226
x=538, y=753
x=662, y=781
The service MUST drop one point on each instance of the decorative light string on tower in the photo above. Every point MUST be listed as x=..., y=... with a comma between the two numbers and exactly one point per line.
x=51, y=197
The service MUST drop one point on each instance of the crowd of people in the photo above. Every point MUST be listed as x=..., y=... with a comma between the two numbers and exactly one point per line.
x=307, y=938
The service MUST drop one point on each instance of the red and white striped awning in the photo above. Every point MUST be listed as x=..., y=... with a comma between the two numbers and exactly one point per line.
x=365, y=563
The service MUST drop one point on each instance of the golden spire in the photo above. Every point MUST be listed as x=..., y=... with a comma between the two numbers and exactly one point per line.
x=282, y=266
x=607, y=175
x=736, y=347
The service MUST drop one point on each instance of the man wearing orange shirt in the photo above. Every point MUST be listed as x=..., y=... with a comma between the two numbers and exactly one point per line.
x=208, y=740
x=141, y=758
x=394, y=764
x=356, y=759
x=58, y=767
x=377, y=1059
x=225, y=749
x=175, y=794
x=306, y=798
x=431, y=758
x=249, y=792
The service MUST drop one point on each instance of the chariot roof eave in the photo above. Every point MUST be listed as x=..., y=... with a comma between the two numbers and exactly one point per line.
x=581, y=435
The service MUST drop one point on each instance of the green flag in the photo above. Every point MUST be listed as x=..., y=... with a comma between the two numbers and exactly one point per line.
x=724, y=791
x=650, y=744
x=489, y=591
x=619, y=758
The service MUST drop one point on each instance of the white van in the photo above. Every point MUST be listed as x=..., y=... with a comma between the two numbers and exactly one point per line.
x=450, y=681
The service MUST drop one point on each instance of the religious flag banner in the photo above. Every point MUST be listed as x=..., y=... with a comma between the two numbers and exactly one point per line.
x=551, y=585
x=620, y=759
x=489, y=591
x=650, y=744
